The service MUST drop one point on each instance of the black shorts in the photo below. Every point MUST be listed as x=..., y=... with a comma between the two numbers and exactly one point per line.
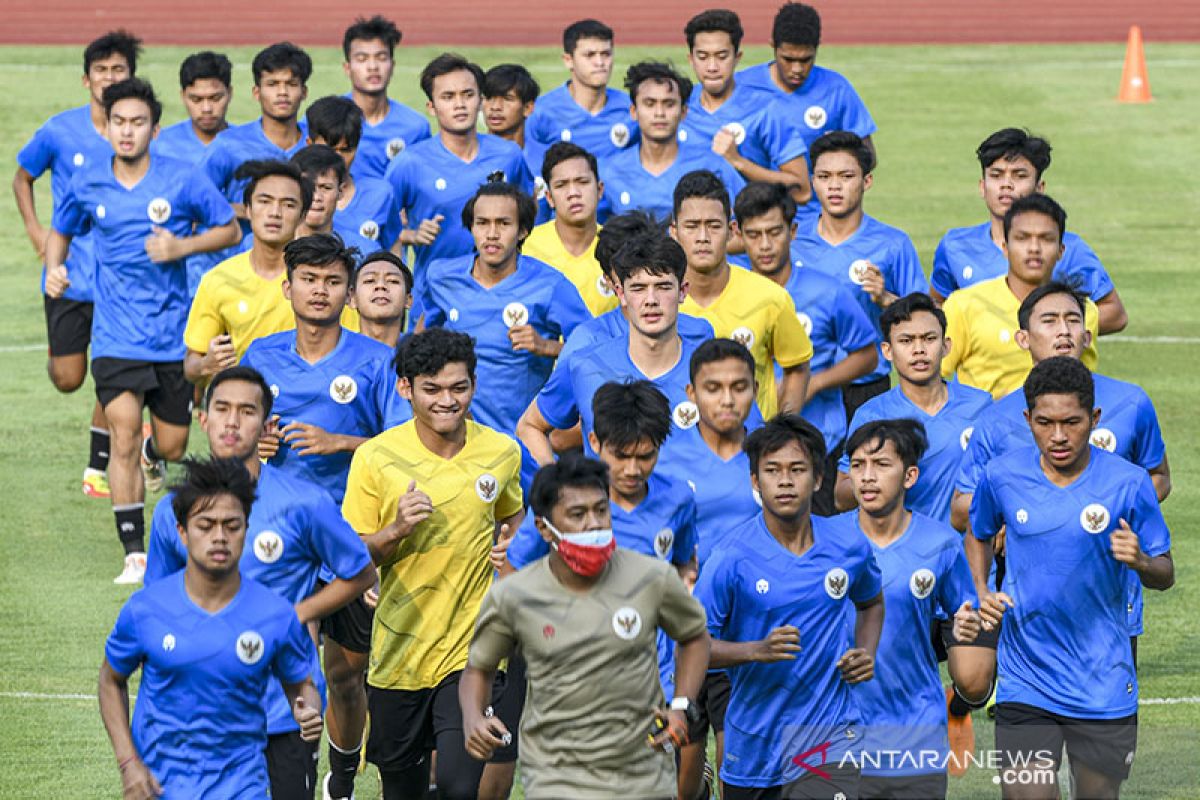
x=350, y=625
x=292, y=766
x=943, y=638
x=712, y=702
x=68, y=325
x=1029, y=737
x=903, y=787
x=843, y=781
x=165, y=390
x=856, y=394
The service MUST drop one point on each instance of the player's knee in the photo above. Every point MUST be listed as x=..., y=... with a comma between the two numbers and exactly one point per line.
x=65, y=378
x=172, y=449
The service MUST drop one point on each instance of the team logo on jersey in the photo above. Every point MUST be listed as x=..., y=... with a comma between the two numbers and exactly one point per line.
x=743, y=336
x=250, y=648
x=841, y=795
x=101, y=211
x=565, y=135
x=663, y=541
x=757, y=497
x=440, y=184
x=275, y=390
x=268, y=547
x=602, y=287
x=77, y=160
x=1094, y=518
x=815, y=117
x=486, y=487
x=762, y=586
x=243, y=307
x=625, y=198
x=837, y=582
x=539, y=188
x=1022, y=516
x=858, y=270
x=619, y=134
x=343, y=389
x=681, y=135
x=548, y=631
x=964, y=438
x=369, y=229
x=452, y=315
x=737, y=130
x=968, y=271
x=685, y=415
x=395, y=147
x=921, y=583
x=1105, y=439
x=805, y=322
x=1005, y=335
x=515, y=314
x=627, y=622
x=168, y=643
x=159, y=210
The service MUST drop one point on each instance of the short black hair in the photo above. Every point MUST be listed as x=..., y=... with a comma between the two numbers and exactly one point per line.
x=1060, y=375
x=319, y=250
x=246, y=375
x=559, y=152
x=714, y=350
x=715, y=20
x=585, y=29
x=205, y=65
x=254, y=171
x=906, y=435
x=620, y=229
x=658, y=72
x=780, y=431
x=903, y=310
x=655, y=253
x=504, y=78
x=756, y=199
x=796, y=24
x=496, y=186
x=1046, y=290
x=205, y=479
x=428, y=353
x=132, y=89
x=395, y=261
x=624, y=414
x=365, y=30
x=1036, y=204
x=843, y=142
x=572, y=470
x=335, y=119
x=1011, y=144
x=444, y=65
x=114, y=43
x=281, y=56
x=315, y=160
x=703, y=184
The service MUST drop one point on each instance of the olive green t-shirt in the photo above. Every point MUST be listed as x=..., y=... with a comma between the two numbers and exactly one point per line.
x=592, y=669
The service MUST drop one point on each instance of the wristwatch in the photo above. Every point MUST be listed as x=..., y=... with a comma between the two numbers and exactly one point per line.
x=688, y=708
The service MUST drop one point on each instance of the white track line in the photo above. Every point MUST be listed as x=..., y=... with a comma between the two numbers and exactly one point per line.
x=1151, y=339
x=21, y=348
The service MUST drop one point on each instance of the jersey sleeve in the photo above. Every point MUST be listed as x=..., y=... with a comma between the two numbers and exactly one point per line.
x=686, y=536
x=1149, y=450
x=867, y=582
x=424, y=305
x=1148, y=523
x=519, y=174
x=204, y=319
x=495, y=632
x=71, y=216
x=527, y=545
x=389, y=231
x=714, y=590
x=293, y=658
x=123, y=650
x=334, y=542
x=208, y=207
x=166, y=554
x=387, y=402
x=974, y=460
x=905, y=275
x=855, y=116
x=567, y=309
x=38, y=153
x=679, y=614
x=987, y=517
x=955, y=586
x=852, y=326
x=556, y=401
x=941, y=279
x=218, y=167
x=857, y=421
x=778, y=137
x=511, y=499
x=958, y=332
x=1087, y=274
x=790, y=345
x=362, y=503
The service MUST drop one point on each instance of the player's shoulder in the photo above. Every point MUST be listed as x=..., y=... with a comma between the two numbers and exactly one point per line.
x=497, y=147
x=752, y=284
x=931, y=535
x=264, y=603
x=841, y=531
x=390, y=444
x=69, y=121
x=614, y=95
x=882, y=230
x=363, y=346
x=448, y=268
x=271, y=343
x=967, y=234
x=1115, y=389
x=1115, y=469
x=1018, y=464
x=277, y=482
x=177, y=130
x=372, y=190
x=673, y=491
x=881, y=406
x=172, y=165
x=634, y=567
x=981, y=292
x=969, y=395
x=401, y=111
x=161, y=595
x=488, y=444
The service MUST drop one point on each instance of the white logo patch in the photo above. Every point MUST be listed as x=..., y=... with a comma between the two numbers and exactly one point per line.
x=343, y=389
x=968, y=271
x=77, y=160
x=921, y=583
x=738, y=130
x=452, y=314
x=964, y=438
x=743, y=336
x=837, y=583
x=603, y=288
x=619, y=134
x=681, y=135
x=565, y=135
x=243, y=307
x=685, y=415
x=515, y=314
x=1005, y=336
x=268, y=547
x=815, y=117
x=627, y=622
x=369, y=229
x=250, y=648
x=395, y=147
x=757, y=497
x=539, y=188
x=159, y=210
x=440, y=184
x=858, y=271
x=1094, y=518
x=101, y=211
x=664, y=540
x=762, y=586
x=1022, y=516
x=486, y=487
x=805, y=322
x=168, y=643
x=625, y=198
x=1105, y=439
x=275, y=390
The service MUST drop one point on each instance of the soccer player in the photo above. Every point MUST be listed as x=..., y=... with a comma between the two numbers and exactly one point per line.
x=741, y=305
x=64, y=144
x=924, y=572
x=644, y=174
x=509, y=93
x=327, y=171
x=295, y=531
x=758, y=139
x=206, y=87
x=1013, y=163
x=430, y=497
x=435, y=177
x=778, y=598
x=822, y=98
x=842, y=335
x=981, y=320
x=876, y=262
x=1077, y=521
x=333, y=388
x=369, y=46
x=242, y=299
x=143, y=210
x=914, y=342
x=382, y=296
x=586, y=616
x=209, y=642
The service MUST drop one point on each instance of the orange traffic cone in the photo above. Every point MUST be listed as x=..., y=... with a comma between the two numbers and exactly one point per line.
x=1135, y=85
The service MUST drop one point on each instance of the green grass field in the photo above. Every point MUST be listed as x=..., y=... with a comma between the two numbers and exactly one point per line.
x=1126, y=175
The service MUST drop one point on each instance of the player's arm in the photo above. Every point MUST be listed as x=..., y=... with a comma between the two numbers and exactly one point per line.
x=781, y=644
x=335, y=595
x=858, y=663
x=1155, y=572
x=493, y=640
x=960, y=510
x=113, y=690
x=1113, y=317
x=22, y=185
x=306, y=708
x=163, y=246
x=56, y=247
x=310, y=440
x=843, y=492
x=1161, y=476
x=413, y=508
x=793, y=388
x=855, y=365
x=534, y=432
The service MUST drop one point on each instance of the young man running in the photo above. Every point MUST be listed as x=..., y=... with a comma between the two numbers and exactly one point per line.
x=206, y=87
x=326, y=170
x=382, y=296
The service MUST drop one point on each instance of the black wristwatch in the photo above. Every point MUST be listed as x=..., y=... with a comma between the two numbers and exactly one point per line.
x=689, y=709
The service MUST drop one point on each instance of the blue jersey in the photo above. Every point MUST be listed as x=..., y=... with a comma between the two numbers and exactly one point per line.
x=386, y=139
x=966, y=256
x=948, y=431
x=1064, y=645
x=558, y=118
x=179, y=141
x=66, y=143
x=628, y=186
x=764, y=132
x=428, y=180
x=824, y=102
x=788, y=711
x=371, y=221
x=351, y=391
x=199, y=723
x=724, y=497
x=886, y=247
x=535, y=294
x=141, y=306
x=613, y=325
x=925, y=574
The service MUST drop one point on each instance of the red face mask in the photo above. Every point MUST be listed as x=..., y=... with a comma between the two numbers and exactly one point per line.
x=584, y=553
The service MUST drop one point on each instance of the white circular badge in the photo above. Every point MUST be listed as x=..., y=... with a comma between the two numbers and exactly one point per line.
x=627, y=622
x=343, y=389
x=815, y=117
x=250, y=648
x=159, y=210
x=837, y=583
x=268, y=547
x=921, y=583
x=515, y=314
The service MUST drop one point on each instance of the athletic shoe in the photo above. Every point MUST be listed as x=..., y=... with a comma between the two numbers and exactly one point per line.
x=95, y=483
x=135, y=570
x=153, y=472
x=325, y=795
x=962, y=738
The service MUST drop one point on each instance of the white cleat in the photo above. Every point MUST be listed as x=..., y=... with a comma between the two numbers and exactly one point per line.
x=134, y=571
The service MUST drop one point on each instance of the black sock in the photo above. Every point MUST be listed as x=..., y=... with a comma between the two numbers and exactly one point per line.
x=148, y=450
x=98, y=458
x=343, y=766
x=131, y=527
x=958, y=706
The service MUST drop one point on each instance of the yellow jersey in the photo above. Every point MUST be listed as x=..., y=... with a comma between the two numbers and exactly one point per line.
x=582, y=270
